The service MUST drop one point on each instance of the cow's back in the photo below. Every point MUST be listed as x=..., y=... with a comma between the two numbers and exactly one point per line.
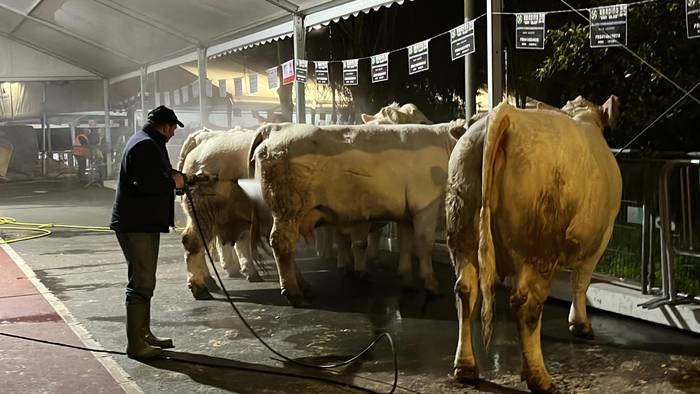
x=222, y=153
x=362, y=172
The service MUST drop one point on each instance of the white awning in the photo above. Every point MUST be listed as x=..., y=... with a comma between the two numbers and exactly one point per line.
x=114, y=38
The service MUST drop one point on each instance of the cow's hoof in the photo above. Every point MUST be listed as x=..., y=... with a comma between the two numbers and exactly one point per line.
x=539, y=385
x=255, y=278
x=552, y=389
x=212, y=285
x=467, y=375
x=581, y=330
x=201, y=293
x=296, y=301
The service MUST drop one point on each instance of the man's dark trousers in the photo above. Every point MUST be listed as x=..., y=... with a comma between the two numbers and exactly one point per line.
x=141, y=252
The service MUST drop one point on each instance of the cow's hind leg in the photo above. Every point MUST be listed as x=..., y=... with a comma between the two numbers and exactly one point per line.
x=344, y=252
x=579, y=325
x=405, y=238
x=358, y=235
x=424, y=225
x=527, y=299
x=373, y=242
x=197, y=271
x=467, y=292
x=229, y=260
x=283, y=239
x=245, y=258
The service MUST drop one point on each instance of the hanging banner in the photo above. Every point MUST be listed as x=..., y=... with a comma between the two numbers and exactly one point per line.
x=195, y=89
x=184, y=93
x=272, y=78
x=253, y=82
x=462, y=40
x=166, y=98
x=238, y=86
x=321, y=70
x=529, y=30
x=158, y=98
x=176, y=97
x=302, y=69
x=222, y=88
x=380, y=67
x=609, y=26
x=418, y=57
x=288, y=72
x=350, y=72
x=692, y=17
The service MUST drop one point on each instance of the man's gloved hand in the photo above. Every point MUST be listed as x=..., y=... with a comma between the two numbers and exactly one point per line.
x=179, y=180
x=200, y=176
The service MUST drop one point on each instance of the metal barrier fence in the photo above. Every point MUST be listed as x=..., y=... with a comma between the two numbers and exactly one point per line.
x=656, y=240
x=669, y=213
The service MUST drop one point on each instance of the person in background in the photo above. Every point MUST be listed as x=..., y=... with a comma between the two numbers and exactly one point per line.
x=81, y=151
x=144, y=207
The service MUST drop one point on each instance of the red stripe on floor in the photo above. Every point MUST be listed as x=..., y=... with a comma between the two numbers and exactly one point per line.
x=34, y=367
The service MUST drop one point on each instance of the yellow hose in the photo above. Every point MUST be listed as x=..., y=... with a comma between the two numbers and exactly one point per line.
x=11, y=224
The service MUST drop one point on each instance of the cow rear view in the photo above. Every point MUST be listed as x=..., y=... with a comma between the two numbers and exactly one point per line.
x=544, y=197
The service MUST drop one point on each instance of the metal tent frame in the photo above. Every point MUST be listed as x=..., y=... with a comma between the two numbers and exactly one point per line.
x=116, y=40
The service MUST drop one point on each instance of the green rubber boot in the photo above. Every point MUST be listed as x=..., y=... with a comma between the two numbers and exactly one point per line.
x=136, y=320
x=163, y=343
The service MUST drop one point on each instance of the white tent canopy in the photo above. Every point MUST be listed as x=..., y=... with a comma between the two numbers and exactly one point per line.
x=114, y=39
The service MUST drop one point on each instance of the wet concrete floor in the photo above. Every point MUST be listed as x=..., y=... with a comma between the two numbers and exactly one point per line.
x=87, y=272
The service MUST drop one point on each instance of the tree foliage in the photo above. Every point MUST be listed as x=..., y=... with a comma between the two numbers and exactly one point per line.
x=656, y=34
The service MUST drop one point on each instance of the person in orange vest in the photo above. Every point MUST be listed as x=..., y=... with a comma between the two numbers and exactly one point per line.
x=81, y=151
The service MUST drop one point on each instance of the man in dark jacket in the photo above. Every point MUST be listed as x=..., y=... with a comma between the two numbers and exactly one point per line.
x=144, y=207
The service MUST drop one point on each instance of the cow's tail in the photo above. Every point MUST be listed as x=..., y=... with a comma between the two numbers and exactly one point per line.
x=257, y=242
x=497, y=126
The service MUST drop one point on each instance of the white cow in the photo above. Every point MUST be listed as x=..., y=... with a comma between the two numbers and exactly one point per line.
x=344, y=175
x=223, y=209
x=353, y=240
x=529, y=192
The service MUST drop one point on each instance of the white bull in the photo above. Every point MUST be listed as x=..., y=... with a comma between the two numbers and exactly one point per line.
x=224, y=211
x=355, y=238
x=343, y=175
x=529, y=192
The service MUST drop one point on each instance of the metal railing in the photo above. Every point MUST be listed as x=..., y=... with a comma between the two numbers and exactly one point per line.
x=657, y=223
x=675, y=224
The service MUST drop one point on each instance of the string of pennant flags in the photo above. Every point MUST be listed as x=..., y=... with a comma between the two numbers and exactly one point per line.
x=608, y=28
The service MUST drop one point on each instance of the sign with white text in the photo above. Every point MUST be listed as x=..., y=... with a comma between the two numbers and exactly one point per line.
x=609, y=26
x=529, y=31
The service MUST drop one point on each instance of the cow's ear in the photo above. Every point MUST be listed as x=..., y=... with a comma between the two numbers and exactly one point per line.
x=610, y=111
x=458, y=128
x=367, y=118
